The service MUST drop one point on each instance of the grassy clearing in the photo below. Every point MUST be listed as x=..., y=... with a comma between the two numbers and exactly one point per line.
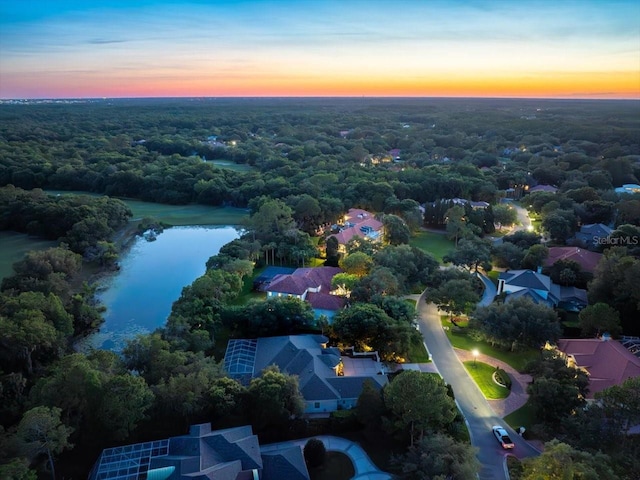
x=336, y=466
x=248, y=293
x=523, y=417
x=459, y=338
x=493, y=276
x=13, y=247
x=178, y=215
x=229, y=165
x=482, y=374
x=417, y=352
x=436, y=244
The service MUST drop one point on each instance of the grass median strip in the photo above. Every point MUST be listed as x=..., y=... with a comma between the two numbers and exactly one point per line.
x=482, y=374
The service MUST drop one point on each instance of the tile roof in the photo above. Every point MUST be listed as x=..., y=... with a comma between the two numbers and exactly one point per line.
x=608, y=362
x=355, y=220
x=585, y=258
x=324, y=301
x=303, y=279
x=289, y=284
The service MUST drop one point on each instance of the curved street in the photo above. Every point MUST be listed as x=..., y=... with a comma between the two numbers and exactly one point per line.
x=479, y=415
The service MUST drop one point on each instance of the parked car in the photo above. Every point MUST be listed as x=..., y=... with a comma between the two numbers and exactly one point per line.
x=502, y=436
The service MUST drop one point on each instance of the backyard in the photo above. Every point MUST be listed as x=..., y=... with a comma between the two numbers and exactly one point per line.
x=436, y=244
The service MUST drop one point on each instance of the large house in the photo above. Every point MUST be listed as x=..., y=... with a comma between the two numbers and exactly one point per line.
x=463, y=201
x=543, y=188
x=592, y=235
x=586, y=259
x=358, y=223
x=540, y=289
x=606, y=361
x=328, y=381
x=230, y=454
x=629, y=188
x=312, y=285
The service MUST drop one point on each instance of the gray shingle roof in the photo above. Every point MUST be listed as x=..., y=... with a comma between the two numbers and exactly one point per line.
x=350, y=387
x=527, y=279
x=304, y=356
x=285, y=464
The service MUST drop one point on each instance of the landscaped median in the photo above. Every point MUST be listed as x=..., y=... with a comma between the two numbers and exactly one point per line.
x=483, y=375
x=459, y=336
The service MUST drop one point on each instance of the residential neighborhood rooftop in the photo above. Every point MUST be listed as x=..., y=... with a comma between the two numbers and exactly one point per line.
x=608, y=362
x=587, y=259
x=323, y=384
x=540, y=289
x=232, y=454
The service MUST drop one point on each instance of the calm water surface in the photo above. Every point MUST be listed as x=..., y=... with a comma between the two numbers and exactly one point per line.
x=139, y=297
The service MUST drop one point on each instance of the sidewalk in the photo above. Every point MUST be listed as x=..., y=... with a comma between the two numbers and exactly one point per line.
x=363, y=466
x=519, y=381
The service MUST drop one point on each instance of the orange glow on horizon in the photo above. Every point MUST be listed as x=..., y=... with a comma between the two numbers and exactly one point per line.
x=611, y=85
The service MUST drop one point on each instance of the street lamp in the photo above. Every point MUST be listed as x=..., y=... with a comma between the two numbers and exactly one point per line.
x=475, y=353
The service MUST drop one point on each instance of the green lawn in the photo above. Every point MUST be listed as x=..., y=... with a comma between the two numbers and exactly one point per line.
x=523, y=417
x=436, y=244
x=187, y=214
x=177, y=215
x=493, y=276
x=417, y=351
x=336, y=466
x=482, y=374
x=230, y=165
x=459, y=338
x=248, y=293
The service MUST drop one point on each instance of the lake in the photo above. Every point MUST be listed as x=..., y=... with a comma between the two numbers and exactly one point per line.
x=138, y=298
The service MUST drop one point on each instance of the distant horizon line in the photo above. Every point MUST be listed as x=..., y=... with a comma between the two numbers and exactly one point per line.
x=168, y=97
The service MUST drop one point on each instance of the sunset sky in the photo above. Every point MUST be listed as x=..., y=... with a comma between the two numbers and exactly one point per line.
x=145, y=48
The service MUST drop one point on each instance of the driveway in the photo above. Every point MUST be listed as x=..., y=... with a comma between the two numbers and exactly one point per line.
x=478, y=414
x=490, y=290
x=362, y=464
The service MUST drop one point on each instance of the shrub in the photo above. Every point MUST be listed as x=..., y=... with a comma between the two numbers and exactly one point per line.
x=502, y=377
x=314, y=452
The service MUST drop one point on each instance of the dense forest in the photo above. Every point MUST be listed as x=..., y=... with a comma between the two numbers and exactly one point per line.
x=298, y=165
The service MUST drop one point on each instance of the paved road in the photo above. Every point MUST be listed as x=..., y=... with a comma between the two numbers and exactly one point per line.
x=475, y=408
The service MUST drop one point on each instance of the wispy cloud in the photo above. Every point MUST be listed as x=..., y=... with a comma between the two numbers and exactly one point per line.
x=328, y=43
x=105, y=41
